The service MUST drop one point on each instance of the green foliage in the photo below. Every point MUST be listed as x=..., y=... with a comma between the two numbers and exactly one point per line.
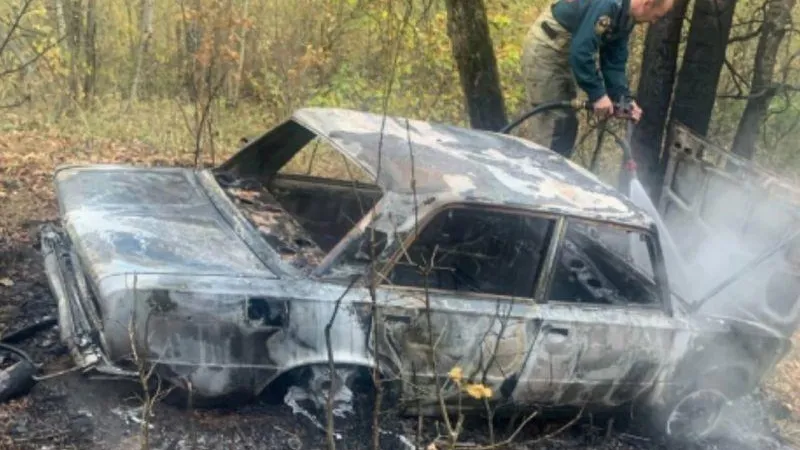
x=275, y=56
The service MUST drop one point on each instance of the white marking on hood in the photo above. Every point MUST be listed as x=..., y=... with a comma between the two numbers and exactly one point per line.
x=459, y=183
x=549, y=187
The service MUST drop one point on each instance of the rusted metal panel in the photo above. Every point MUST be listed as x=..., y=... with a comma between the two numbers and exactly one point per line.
x=708, y=189
x=722, y=212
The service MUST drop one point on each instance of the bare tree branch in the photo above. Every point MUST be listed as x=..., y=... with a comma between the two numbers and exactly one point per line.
x=775, y=89
x=24, y=10
x=35, y=58
x=738, y=79
x=746, y=36
x=332, y=366
x=560, y=429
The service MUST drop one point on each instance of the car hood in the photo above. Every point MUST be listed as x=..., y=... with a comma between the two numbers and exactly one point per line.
x=134, y=220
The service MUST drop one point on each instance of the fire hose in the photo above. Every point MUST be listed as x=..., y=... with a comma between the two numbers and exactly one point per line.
x=622, y=110
x=20, y=376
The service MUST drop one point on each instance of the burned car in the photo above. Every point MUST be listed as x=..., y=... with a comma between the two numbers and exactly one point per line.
x=402, y=245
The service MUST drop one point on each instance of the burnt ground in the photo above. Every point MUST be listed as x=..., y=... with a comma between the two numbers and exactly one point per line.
x=72, y=411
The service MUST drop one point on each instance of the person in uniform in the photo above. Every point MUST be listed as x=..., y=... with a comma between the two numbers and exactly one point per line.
x=583, y=43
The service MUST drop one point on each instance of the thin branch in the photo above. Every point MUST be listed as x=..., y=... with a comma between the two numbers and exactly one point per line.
x=205, y=115
x=559, y=430
x=332, y=366
x=35, y=58
x=788, y=131
x=25, y=5
x=23, y=30
x=746, y=36
x=737, y=77
x=510, y=438
x=774, y=89
x=392, y=77
x=427, y=271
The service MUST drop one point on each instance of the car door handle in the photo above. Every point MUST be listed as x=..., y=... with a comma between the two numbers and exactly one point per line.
x=556, y=340
x=557, y=330
x=390, y=317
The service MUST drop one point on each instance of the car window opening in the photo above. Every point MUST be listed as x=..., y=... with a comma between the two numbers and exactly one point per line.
x=604, y=264
x=476, y=250
x=309, y=205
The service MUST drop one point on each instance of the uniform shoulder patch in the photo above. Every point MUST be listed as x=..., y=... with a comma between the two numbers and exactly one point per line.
x=602, y=25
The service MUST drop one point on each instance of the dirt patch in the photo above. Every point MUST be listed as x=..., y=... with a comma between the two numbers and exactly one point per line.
x=783, y=388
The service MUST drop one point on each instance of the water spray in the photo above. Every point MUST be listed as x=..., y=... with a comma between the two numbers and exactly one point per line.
x=622, y=110
x=629, y=184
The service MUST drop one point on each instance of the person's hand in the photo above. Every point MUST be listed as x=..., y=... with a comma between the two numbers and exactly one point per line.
x=636, y=112
x=603, y=107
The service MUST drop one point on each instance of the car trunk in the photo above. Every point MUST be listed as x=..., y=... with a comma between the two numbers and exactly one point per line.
x=123, y=220
x=150, y=234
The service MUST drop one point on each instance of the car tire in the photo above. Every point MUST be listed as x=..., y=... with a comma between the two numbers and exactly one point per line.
x=693, y=413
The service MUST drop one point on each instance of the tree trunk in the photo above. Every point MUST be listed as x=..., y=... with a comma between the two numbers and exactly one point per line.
x=74, y=32
x=777, y=19
x=468, y=29
x=90, y=50
x=61, y=22
x=237, y=79
x=696, y=90
x=146, y=33
x=6, y=35
x=654, y=94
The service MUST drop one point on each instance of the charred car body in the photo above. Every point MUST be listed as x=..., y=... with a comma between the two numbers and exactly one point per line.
x=408, y=246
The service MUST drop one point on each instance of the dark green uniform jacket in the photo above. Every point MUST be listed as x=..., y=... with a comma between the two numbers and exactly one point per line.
x=599, y=28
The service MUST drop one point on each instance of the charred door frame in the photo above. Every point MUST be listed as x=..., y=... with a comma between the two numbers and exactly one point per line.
x=572, y=387
x=554, y=236
x=655, y=253
x=531, y=320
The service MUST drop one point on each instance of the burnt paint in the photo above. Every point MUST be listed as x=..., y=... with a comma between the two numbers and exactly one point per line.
x=457, y=162
x=215, y=332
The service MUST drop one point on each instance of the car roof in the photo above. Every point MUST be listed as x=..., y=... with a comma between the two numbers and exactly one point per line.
x=469, y=165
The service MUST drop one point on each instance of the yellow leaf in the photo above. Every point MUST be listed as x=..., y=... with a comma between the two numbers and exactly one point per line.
x=7, y=282
x=456, y=374
x=478, y=391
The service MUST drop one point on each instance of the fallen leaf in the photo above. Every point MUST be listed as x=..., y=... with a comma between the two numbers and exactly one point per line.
x=478, y=391
x=7, y=282
x=456, y=374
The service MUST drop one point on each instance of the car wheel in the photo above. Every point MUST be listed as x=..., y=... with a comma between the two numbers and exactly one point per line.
x=695, y=415
x=314, y=383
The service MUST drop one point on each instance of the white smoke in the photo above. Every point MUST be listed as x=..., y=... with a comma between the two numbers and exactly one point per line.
x=717, y=254
x=714, y=257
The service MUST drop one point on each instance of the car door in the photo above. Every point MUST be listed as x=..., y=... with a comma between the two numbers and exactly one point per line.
x=460, y=297
x=605, y=332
